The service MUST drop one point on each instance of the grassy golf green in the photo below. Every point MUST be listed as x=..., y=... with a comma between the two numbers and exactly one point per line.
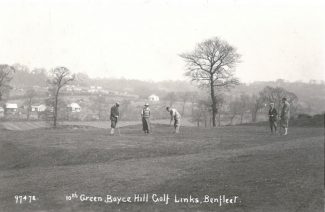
x=266, y=172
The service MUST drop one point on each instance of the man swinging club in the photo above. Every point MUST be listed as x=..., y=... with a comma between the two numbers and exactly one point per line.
x=114, y=116
x=174, y=115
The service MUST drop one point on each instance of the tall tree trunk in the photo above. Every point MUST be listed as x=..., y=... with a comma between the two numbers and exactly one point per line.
x=254, y=113
x=214, y=103
x=29, y=108
x=55, y=108
x=28, y=112
x=55, y=113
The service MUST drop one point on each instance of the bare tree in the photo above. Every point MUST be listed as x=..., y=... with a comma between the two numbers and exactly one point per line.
x=200, y=112
x=275, y=95
x=6, y=72
x=234, y=109
x=220, y=103
x=243, y=105
x=212, y=65
x=61, y=76
x=30, y=94
x=197, y=116
x=256, y=103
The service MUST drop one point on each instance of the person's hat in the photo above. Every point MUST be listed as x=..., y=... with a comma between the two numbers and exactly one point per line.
x=272, y=103
x=117, y=103
x=284, y=99
x=146, y=104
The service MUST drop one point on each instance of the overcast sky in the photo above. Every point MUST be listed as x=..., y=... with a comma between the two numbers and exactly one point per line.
x=141, y=39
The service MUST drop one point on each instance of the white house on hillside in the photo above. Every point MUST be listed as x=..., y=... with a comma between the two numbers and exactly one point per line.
x=38, y=108
x=74, y=107
x=11, y=108
x=2, y=112
x=153, y=98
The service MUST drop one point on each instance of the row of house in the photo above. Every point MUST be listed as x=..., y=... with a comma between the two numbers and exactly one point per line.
x=95, y=90
x=73, y=89
x=73, y=107
x=12, y=108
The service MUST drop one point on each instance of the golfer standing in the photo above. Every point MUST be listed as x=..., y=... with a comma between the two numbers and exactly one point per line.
x=145, y=114
x=285, y=115
x=174, y=115
x=273, y=115
x=114, y=116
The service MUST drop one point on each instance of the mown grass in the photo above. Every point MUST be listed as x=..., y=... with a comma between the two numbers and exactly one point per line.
x=269, y=173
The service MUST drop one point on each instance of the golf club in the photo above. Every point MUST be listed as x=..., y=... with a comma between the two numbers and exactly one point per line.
x=118, y=129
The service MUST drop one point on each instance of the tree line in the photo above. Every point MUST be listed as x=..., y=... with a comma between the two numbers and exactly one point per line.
x=57, y=79
x=198, y=104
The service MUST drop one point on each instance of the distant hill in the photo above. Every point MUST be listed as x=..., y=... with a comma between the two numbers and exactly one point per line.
x=311, y=95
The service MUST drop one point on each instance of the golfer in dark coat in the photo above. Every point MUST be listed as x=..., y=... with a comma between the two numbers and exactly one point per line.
x=273, y=115
x=114, y=116
x=285, y=115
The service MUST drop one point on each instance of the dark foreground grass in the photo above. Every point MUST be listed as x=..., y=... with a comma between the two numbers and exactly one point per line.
x=268, y=173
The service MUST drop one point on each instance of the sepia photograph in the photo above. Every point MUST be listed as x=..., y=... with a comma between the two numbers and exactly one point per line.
x=162, y=105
